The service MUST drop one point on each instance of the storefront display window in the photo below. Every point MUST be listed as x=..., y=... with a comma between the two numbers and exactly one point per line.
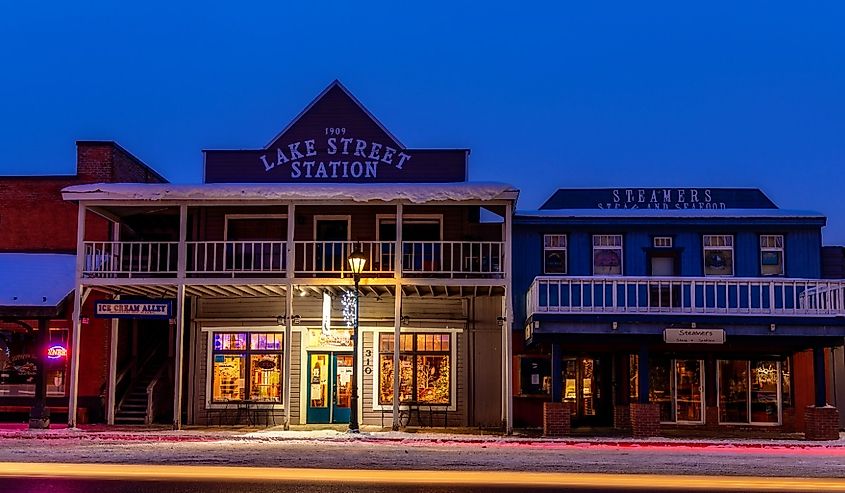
x=18, y=353
x=750, y=391
x=425, y=368
x=675, y=385
x=237, y=367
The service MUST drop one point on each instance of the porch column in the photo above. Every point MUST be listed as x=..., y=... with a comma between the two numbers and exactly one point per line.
x=645, y=416
x=73, y=398
x=290, y=267
x=180, y=317
x=507, y=330
x=113, y=337
x=397, y=315
x=819, y=376
x=287, y=353
x=557, y=373
x=177, y=360
x=642, y=375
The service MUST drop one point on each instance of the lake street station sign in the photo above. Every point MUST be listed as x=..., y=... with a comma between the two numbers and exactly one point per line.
x=150, y=309
x=336, y=140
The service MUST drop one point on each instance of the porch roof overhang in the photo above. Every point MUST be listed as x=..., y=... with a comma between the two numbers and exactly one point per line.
x=418, y=288
x=651, y=325
x=414, y=193
x=35, y=285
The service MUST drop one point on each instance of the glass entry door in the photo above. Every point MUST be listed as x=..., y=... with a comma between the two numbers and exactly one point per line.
x=584, y=382
x=329, y=387
x=689, y=402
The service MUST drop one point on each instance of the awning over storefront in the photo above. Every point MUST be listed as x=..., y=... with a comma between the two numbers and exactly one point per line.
x=35, y=284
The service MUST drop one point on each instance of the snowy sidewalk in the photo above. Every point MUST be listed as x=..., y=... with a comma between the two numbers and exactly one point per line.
x=378, y=435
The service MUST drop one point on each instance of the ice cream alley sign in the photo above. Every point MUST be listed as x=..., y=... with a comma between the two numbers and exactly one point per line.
x=335, y=140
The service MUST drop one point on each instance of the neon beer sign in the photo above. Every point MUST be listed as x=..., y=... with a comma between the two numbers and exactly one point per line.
x=56, y=352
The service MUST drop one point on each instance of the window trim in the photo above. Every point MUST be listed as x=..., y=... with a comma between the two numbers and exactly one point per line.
x=704, y=249
x=564, y=249
x=781, y=249
x=332, y=217
x=210, y=404
x=621, y=248
x=408, y=218
x=453, y=343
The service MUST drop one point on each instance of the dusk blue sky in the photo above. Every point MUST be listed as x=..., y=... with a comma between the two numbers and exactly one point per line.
x=570, y=94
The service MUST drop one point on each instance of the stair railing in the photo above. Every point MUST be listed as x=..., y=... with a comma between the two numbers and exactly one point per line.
x=152, y=388
x=129, y=375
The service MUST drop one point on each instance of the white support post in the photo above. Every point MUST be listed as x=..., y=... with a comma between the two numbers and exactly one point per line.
x=287, y=351
x=507, y=335
x=290, y=266
x=73, y=398
x=113, y=337
x=180, y=342
x=290, y=261
x=180, y=317
x=397, y=315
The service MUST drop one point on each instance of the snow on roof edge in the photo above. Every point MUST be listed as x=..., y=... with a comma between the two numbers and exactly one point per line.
x=413, y=192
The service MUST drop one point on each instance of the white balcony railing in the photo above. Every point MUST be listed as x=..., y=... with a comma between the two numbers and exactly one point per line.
x=453, y=258
x=686, y=295
x=236, y=257
x=130, y=258
x=330, y=257
x=462, y=259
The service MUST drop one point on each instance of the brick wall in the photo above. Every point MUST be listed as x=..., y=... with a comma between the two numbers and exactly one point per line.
x=557, y=419
x=645, y=420
x=33, y=216
x=822, y=423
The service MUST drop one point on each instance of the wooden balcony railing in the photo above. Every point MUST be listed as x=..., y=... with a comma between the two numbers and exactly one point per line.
x=330, y=257
x=686, y=295
x=453, y=258
x=130, y=259
x=236, y=257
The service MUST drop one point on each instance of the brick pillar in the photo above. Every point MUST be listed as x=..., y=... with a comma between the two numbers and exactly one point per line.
x=645, y=419
x=557, y=419
x=711, y=418
x=821, y=423
x=622, y=417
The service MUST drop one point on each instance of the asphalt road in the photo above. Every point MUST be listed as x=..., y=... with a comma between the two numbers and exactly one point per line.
x=68, y=478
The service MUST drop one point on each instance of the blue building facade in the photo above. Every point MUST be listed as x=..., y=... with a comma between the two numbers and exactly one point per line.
x=697, y=305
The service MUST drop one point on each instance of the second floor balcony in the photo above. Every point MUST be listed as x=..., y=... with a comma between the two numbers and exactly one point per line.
x=273, y=259
x=686, y=296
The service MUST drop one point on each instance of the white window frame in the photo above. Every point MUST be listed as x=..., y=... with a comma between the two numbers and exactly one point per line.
x=453, y=343
x=662, y=242
x=775, y=248
x=705, y=247
x=408, y=218
x=748, y=392
x=335, y=217
x=620, y=247
x=557, y=248
x=210, y=331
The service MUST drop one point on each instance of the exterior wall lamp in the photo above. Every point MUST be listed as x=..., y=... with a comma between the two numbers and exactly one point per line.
x=357, y=262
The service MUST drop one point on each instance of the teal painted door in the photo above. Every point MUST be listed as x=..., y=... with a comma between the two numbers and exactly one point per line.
x=329, y=387
x=342, y=388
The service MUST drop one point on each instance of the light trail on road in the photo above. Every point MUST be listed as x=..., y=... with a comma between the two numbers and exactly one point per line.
x=424, y=478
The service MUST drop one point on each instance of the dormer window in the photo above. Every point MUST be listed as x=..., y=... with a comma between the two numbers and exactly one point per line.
x=771, y=255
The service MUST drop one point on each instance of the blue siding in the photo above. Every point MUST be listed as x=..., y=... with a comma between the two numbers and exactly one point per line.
x=803, y=253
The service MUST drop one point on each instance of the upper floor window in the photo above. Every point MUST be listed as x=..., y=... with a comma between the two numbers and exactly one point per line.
x=662, y=242
x=607, y=255
x=718, y=255
x=554, y=254
x=771, y=255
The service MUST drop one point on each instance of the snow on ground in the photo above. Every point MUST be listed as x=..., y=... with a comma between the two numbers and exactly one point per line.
x=333, y=448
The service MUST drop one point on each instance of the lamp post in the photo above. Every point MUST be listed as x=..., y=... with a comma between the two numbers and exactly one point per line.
x=357, y=261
